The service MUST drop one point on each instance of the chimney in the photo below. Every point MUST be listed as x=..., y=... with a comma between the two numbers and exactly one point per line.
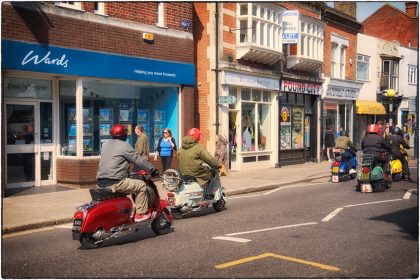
x=346, y=7
x=411, y=8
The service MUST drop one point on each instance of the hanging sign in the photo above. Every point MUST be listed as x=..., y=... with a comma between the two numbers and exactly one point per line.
x=290, y=22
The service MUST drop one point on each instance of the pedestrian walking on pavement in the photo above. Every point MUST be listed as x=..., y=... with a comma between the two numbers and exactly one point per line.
x=329, y=141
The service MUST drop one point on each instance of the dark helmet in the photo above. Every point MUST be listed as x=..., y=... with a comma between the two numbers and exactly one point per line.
x=344, y=133
x=397, y=131
x=119, y=131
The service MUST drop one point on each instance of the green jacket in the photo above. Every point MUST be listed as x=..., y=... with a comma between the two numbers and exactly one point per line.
x=190, y=157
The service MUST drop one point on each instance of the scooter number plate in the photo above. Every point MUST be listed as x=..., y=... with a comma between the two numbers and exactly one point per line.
x=77, y=224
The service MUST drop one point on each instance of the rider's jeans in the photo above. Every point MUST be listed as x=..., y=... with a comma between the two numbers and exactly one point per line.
x=138, y=187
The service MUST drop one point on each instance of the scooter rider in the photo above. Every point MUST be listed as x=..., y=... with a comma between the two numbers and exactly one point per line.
x=343, y=142
x=395, y=139
x=191, y=156
x=113, y=170
x=374, y=144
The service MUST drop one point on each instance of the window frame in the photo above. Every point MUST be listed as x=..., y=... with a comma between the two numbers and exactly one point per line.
x=99, y=8
x=160, y=15
x=75, y=5
x=412, y=74
x=362, y=59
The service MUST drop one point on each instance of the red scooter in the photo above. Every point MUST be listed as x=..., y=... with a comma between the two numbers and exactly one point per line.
x=109, y=215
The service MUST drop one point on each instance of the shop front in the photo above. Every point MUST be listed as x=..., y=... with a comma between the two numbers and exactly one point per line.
x=250, y=119
x=60, y=103
x=338, y=106
x=298, y=121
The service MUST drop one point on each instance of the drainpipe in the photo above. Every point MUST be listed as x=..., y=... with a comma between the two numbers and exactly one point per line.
x=217, y=66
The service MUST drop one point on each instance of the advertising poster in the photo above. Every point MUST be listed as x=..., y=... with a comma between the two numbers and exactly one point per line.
x=297, y=128
x=87, y=114
x=285, y=128
x=143, y=116
x=104, y=129
x=307, y=131
x=87, y=144
x=71, y=114
x=125, y=116
x=72, y=145
x=72, y=130
x=159, y=116
x=87, y=129
x=105, y=115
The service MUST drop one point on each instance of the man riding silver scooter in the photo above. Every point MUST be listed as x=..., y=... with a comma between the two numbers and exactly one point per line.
x=197, y=184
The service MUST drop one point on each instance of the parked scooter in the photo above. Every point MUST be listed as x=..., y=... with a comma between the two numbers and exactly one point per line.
x=343, y=170
x=397, y=171
x=110, y=215
x=372, y=178
x=186, y=195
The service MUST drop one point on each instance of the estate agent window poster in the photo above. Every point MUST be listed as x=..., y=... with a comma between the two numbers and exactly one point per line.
x=87, y=114
x=297, y=128
x=105, y=115
x=285, y=128
x=143, y=116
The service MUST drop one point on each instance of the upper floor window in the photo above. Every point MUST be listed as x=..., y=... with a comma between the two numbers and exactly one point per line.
x=161, y=14
x=338, y=61
x=70, y=4
x=260, y=25
x=363, y=67
x=99, y=8
x=412, y=75
x=389, y=77
x=311, y=40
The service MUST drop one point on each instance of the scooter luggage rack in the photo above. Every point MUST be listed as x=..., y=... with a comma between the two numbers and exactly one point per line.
x=367, y=160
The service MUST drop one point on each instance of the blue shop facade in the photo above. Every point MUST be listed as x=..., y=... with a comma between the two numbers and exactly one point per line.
x=60, y=103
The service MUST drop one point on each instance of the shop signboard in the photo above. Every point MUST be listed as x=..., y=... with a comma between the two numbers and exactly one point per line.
x=57, y=60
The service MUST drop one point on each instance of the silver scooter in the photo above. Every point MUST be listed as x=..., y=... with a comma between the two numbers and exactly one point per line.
x=186, y=195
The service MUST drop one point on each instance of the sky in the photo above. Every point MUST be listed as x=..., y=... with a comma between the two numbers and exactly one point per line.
x=365, y=9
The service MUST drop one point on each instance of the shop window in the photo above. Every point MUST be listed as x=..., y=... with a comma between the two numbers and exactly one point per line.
x=108, y=103
x=292, y=127
x=264, y=125
x=363, y=67
x=248, y=127
x=27, y=88
x=99, y=8
x=245, y=94
x=233, y=92
x=68, y=117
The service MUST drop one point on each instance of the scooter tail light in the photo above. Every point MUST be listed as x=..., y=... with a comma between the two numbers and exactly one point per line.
x=170, y=194
x=336, y=163
x=78, y=215
x=365, y=169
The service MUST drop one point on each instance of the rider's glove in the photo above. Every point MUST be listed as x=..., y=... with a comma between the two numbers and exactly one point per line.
x=154, y=172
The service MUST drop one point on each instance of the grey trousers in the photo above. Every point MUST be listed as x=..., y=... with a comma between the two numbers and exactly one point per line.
x=137, y=187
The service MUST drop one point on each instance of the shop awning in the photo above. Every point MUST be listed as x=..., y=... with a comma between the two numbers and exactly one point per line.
x=369, y=107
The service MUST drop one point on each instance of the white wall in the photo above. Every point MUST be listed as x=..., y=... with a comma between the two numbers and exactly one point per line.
x=368, y=45
x=409, y=57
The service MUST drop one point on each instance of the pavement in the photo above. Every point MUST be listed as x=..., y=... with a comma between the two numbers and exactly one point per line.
x=38, y=207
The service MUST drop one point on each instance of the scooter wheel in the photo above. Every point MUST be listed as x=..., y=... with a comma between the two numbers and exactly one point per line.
x=219, y=205
x=88, y=242
x=160, y=225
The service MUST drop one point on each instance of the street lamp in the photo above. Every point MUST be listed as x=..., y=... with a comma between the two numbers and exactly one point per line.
x=390, y=93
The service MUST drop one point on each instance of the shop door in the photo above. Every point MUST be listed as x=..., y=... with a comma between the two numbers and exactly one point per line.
x=29, y=145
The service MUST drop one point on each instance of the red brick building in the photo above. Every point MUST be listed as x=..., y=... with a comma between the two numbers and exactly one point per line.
x=72, y=69
x=391, y=24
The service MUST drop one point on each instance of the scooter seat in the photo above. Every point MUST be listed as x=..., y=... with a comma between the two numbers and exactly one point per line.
x=99, y=194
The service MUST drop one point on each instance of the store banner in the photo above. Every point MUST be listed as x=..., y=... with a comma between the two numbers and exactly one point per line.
x=56, y=60
x=300, y=87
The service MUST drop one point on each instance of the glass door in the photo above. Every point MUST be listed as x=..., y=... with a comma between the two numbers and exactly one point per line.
x=29, y=144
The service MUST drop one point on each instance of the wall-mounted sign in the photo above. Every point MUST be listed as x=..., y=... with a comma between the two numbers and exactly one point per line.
x=300, y=87
x=230, y=99
x=186, y=24
x=290, y=21
x=37, y=58
x=342, y=93
x=250, y=81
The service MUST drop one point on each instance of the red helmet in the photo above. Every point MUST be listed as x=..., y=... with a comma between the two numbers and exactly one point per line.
x=373, y=128
x=194, y=132
x=118, y=130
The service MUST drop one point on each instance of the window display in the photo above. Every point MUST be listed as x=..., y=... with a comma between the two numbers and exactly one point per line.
x=285, y=128
x=297, y=128
x=106, y=103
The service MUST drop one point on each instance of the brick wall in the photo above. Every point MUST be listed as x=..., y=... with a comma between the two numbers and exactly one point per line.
x=32, y=26
x=389, y=24
x=202, y=91
x=351, y=51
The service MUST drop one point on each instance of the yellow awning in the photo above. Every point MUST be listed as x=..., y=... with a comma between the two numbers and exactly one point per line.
x=369, y=107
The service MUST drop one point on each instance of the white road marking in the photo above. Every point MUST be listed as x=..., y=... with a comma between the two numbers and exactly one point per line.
x=64, y=226
x=408, y=193
x=235, y=239
x=332, y=214
x=243, y=196
x=295, y=186
x=268, y=229
x=373, y=202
